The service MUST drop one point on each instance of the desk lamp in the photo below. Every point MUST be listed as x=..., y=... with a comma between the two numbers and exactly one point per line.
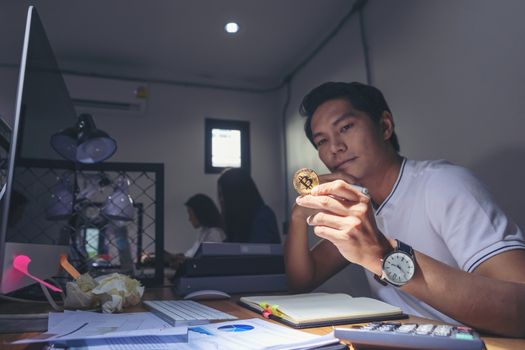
x=83, y=142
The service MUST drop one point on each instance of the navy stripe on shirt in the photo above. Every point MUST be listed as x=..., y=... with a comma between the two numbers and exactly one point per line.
x=395, y=187
x=475, y=263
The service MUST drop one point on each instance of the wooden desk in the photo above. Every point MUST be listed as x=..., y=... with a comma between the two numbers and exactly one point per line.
x=231, y=307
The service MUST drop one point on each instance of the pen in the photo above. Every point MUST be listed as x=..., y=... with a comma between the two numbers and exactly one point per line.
x=362, y=189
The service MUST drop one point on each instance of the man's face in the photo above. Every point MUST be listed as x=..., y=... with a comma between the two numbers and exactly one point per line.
x=347, y=140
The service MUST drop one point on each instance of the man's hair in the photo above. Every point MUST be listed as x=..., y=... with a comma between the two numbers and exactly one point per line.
x=365, y=98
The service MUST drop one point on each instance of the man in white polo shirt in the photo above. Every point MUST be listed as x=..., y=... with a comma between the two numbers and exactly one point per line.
x=428, y=233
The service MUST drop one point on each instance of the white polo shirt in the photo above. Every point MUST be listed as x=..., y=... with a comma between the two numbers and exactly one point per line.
x=206, y=234
x=443, y=211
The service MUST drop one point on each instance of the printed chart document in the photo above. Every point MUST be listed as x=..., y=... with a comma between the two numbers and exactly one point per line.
x=257, y=334
x=321, y=309
x=252, y=334
x=70, y=327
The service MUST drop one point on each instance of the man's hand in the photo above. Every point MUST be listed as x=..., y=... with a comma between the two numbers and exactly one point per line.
x=345, y=217
x=302, y=213
x=307, y=268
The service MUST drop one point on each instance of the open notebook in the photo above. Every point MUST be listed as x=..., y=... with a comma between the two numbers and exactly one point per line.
x=321, y=309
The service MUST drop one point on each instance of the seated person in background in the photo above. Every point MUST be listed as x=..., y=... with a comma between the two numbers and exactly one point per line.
x=203, y=214
x=429, y=235
x=246, y=217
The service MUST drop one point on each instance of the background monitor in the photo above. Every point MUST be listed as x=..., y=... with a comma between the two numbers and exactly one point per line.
x=43, y=107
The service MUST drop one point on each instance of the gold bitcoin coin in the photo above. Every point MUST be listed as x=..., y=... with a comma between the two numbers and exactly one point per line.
x=304, y=180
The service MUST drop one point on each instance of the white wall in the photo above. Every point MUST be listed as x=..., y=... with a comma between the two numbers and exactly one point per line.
x=452, y=74
x=452, y=71
x=172, y=132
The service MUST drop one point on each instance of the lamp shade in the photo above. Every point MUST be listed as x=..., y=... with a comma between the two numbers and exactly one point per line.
x=119, y=205
x=61, y=202
x=94, y=145
x=65, y=143
x=84, y=143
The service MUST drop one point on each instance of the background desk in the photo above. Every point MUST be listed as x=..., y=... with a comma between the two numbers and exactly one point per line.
x=229, y=306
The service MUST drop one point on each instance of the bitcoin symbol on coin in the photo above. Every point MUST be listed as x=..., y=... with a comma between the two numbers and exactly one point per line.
x=304, y=180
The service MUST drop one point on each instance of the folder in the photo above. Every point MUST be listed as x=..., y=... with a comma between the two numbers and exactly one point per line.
x=321, y=309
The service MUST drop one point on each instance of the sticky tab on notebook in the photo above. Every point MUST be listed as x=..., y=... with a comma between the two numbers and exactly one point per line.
x=21, y=263
x=266, y=313
x=68, y=267
x=269, y=309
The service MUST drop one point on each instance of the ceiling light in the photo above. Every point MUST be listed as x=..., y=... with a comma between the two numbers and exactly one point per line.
x=231, y=27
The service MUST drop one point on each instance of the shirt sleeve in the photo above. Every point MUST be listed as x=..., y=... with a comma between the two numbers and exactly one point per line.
x=471, y=224
x=215, y=234
x=210, y=234
x=191, y=252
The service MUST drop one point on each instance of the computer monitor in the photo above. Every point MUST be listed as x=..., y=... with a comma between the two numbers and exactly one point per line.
x=5, y=138
x=43, y=107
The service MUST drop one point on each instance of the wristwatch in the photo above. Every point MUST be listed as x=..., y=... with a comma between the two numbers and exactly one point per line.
x=398, y=266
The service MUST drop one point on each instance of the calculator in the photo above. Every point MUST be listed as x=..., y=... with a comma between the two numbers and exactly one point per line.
x=395, y=335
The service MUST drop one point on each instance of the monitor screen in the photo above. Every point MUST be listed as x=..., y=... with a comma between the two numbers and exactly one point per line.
x=43, y=107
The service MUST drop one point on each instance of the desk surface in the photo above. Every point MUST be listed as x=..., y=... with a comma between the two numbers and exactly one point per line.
x=231, y=307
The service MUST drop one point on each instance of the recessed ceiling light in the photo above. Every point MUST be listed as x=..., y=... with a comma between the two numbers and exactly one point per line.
x=231, y=27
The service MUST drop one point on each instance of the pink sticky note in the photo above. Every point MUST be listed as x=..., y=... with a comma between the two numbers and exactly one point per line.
x=21, y=263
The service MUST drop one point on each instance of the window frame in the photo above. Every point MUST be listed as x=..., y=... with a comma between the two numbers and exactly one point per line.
x=242, y=126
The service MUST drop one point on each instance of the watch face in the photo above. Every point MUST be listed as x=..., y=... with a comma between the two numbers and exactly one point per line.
x=399, y=267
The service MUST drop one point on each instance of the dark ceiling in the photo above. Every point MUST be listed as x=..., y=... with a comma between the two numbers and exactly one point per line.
x=178, y=41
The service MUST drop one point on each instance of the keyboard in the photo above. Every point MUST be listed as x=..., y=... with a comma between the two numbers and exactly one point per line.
x=188, y=312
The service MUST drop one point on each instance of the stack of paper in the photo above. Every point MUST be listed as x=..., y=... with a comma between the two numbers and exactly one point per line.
x=253, y=334
x=137, y=331
x=81, y=327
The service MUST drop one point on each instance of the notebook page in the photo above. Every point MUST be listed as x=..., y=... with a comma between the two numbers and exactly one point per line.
x=325, y=306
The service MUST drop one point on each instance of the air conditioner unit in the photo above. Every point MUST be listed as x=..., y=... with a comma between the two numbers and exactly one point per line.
x=107, y=97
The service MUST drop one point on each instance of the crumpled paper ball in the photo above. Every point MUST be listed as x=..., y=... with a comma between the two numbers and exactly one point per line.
x=85, y=282
x=117, y=291
x=113, y=292
x=78, y=297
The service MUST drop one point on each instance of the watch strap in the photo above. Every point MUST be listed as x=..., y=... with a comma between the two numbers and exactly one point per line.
x=385, y=281
x=405, y=248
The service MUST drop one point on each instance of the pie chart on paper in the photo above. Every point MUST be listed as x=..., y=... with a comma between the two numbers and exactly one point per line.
x=236, y=328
